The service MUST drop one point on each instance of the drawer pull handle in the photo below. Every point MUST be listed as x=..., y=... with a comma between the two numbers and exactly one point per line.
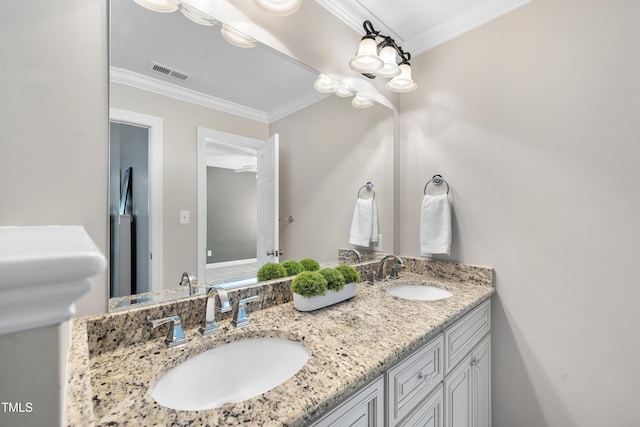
x=428, y=379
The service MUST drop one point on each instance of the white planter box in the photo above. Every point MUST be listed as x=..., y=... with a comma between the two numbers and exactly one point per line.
x=332, y=297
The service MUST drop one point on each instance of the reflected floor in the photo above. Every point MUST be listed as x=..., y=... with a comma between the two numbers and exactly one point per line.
x=230, y=273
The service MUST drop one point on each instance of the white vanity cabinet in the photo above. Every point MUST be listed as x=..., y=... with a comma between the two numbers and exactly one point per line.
x=363, y=409
x=445, y=383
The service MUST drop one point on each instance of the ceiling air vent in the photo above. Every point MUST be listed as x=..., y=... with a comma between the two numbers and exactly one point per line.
x=168, y=71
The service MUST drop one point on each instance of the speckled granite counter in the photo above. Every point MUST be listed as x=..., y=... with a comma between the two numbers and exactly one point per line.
x=349, y=343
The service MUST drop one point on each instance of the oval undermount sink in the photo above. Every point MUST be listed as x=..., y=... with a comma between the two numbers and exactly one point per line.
x=230, y=373
x=419, y=292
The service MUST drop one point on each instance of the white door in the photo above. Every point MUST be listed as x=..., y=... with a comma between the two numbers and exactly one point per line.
x=268, y=249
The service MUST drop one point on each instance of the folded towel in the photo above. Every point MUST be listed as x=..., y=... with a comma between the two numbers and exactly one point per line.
x=435, y=225
x=364, y=226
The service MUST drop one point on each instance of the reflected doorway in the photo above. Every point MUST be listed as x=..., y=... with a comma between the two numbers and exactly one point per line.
x=237, y=205
x=135, y=203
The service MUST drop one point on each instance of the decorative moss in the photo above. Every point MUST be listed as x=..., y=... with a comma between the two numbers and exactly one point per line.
x=309, y=284
x=335, y=279
x=292, y=267
x=270, y=271
x=350, y=274
x=310, y=264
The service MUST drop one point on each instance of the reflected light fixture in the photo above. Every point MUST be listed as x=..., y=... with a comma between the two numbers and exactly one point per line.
x=325, y=84
x=381, y=59
x=164, y=6
x=195, y=15
x=361, y=101
x=237, y=38
x=279, y=7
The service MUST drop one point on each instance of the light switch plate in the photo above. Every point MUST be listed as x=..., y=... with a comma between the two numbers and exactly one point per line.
x=184, y=217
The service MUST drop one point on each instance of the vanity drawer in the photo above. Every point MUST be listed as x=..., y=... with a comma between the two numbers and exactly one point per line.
x=410, y=381
x=463, y=335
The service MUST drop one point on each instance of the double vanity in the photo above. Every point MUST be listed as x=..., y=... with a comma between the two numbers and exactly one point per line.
x=401, y=351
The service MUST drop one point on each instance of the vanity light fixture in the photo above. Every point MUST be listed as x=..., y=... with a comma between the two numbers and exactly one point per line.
x=380, y=59
x=279, y=7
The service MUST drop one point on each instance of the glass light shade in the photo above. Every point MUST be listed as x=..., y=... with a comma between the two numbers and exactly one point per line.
x=361, y=101
x=402, y=82
x=279, y=7
x=367, y=59
x=195, y=15
x=236, y=37
x=390, y=67
x=164, y=6
x=324, y=84
x=341, y=90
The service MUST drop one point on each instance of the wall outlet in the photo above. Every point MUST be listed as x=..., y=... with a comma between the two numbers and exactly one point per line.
x=209, y=252
x=184, y=217
x=377, y=246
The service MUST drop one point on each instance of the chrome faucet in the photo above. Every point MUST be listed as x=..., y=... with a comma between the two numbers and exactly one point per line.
x=209, y=325
x=355, y=252
x=394, y=268
x=241, y=319
x=188, y=279
x=175, y=336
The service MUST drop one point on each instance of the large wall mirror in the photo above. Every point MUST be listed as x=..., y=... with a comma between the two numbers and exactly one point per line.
x=200, y=108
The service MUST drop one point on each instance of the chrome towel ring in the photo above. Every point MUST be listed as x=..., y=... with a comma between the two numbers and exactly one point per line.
x=370, y=188
x=437, y=180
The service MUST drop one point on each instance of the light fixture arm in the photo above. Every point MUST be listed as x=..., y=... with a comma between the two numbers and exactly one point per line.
x=372, y=33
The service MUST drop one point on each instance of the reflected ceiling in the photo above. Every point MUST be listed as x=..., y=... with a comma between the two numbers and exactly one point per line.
x=215, y=67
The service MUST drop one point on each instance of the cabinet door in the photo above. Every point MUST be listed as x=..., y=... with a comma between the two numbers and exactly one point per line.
x=458, y=389
x=468, y=389
x=481, y=370
x=363, y=409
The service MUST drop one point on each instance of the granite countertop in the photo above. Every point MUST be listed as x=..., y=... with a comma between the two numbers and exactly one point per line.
x=350, y=344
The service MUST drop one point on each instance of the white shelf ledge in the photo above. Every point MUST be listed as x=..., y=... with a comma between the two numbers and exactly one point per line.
x=43, y=272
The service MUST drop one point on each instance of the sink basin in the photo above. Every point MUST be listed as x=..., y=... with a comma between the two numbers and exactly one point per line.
x=230, y=373
x=419, y=292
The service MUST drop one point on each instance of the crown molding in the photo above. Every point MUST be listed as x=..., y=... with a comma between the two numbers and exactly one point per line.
x=122, y=76
x=466, y=22
x=298, y=104
x=354, y=14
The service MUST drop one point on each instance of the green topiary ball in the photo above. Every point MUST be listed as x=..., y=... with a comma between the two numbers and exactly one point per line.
x=350, y=274
x=310, y=264
x=270, y=271
x=335, y=279
x=309, y=284
x=292, y=267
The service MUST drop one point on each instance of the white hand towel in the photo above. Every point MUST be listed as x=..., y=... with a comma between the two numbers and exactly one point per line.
x=364, y=226
x=435, y=225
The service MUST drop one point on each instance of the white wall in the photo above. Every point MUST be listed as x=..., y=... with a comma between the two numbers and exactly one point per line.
x=532, y=119
x=327, y=152
x=53, y=120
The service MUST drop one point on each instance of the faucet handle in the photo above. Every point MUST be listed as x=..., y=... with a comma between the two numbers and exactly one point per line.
x=175, y=336
x=241, y=319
